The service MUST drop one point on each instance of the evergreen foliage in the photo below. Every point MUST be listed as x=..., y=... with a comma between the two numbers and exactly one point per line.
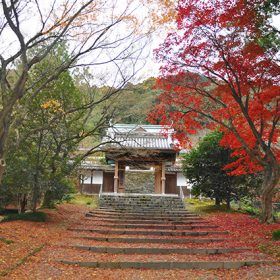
x=204, y=168
x=276, y=235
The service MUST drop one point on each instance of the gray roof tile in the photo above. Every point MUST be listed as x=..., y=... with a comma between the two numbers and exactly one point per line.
x=139, y=137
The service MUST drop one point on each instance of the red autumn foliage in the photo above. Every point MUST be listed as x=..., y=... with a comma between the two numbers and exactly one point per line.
x=216, y=75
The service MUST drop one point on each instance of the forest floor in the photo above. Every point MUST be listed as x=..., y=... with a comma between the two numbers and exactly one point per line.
x=28, y=249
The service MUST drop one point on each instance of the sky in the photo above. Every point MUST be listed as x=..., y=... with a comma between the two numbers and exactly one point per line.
x=115, y=46
x=106, y=73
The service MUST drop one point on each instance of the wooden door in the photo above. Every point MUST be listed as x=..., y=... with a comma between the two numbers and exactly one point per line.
x=171, y=184
x=108, y=182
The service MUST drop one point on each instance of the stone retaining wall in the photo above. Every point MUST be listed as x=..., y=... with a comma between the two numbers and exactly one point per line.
x=139, y=182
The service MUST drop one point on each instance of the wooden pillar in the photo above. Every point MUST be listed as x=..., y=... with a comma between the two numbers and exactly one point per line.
x=158, y=179
x=82, y=184
x=91, y=180
x=121, y=178
x=116, y=177
x=163, y=179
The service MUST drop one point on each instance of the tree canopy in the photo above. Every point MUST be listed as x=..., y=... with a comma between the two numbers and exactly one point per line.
x=204, y=166
x=216, y=73
x=29, y=30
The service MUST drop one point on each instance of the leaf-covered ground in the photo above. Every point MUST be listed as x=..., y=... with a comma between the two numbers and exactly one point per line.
x=30, y=250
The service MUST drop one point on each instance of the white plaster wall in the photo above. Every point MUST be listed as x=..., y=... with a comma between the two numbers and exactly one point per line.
x=97, y=177
x=182, y=181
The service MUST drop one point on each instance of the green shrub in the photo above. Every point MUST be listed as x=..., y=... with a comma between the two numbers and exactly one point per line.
x=68, y=197
x=248, y=206
x=277, y=215
x=7, y=196
x=34, y=217
x=276, y=235
x=80, y=199
x=61, y=190
x=250, y=210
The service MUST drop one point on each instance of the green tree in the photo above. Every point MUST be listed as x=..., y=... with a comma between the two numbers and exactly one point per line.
x=269, y=37
x=45, y=134
x=135, y=102
x=100, y=35
x=203, y=166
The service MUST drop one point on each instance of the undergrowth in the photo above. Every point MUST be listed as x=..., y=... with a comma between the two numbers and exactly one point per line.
x=276, y=235
x=6, y=241
x=87, y=200
x=29, y=216
x=204, y=206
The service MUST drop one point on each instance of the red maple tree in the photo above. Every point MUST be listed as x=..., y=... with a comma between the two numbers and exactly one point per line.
x=216, y=74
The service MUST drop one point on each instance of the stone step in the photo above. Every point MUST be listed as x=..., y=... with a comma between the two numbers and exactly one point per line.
x=151, y=232
x=123, y=203
x=139, y=196
x=206, y=245
x=130, y=201
x=140, y=208
x=121, y=211
x=139, y=218
x=155, y=213
x=143, y=212
x=119, y=206
x=168, y=264
x=150, y=199
x=143, y=250
x=88, y=255
x=140, y=202
x=152, y=222
x=126, y=202
x=170, y=227
x=133, y=216
x=153, y=240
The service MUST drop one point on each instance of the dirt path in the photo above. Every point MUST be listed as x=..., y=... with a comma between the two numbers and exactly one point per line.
x=33, y=250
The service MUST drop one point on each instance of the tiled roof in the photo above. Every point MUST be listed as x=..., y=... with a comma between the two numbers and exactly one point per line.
x=94, y=166
x=139, y=137
x=141, y=141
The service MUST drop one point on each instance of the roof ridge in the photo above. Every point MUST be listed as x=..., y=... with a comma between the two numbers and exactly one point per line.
x=145, y=134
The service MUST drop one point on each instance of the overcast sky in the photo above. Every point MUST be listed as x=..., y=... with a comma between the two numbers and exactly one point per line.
x=148, y=65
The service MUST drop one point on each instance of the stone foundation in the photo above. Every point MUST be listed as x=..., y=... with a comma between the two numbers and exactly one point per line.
x=142, y=202
x=139, y=182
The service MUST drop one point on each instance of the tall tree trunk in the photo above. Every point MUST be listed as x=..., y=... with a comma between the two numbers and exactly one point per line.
x=36, y=191
x=271, y=181
x=22, y=203
x=5, y=120
x=228, y=197
x=48, y=199
x=228, y=202
x=9, y=99
x=35, y=195
x=2, y=166
x=217, y=201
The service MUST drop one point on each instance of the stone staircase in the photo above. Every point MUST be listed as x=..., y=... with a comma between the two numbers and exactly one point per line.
x=153, y=233
x=141, y=202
